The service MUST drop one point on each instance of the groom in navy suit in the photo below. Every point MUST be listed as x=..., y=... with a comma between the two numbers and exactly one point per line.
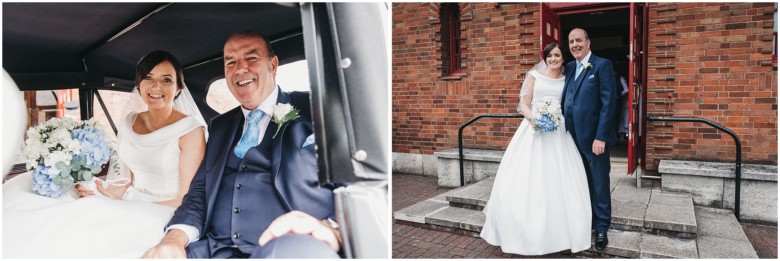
x=256, y=193
x=589, y=111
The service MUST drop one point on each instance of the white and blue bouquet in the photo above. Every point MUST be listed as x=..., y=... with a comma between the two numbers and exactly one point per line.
x=547, y=114
x=62, y=152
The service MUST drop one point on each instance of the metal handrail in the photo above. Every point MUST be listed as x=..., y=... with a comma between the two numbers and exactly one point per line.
x=460, y=136
x=738, y=169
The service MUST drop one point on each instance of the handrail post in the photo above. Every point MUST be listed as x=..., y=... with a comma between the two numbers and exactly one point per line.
x=460, y=138
x=737, y=143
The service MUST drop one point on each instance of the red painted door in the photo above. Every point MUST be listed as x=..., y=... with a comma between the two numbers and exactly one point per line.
x=550, y=27
x=635, y=84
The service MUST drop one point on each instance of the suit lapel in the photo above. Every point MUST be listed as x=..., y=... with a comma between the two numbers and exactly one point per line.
x=237, y=123
x=277, y=156
x=569, y=76
x=584, y=74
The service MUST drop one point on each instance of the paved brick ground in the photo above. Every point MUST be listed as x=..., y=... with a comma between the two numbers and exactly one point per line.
x=764, y=239
x=415, y=242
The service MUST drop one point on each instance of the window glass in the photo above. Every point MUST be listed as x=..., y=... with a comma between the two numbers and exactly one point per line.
x=44, y=105
x=449, y=15
x=219, y=97
x=290, y=77
x=293, y=76
x=115, y=102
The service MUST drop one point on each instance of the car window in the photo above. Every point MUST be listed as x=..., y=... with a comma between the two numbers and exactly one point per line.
x=115, y=102
x=293, y=76
x=290, y=77
x=44, y=105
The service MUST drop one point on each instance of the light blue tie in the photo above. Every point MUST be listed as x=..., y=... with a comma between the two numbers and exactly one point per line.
x=579, y=70
x=251, y=135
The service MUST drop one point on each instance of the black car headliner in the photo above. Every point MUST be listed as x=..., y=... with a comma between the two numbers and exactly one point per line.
x=54, y=45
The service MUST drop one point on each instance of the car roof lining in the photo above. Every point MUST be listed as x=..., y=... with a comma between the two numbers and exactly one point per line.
x=107, y=39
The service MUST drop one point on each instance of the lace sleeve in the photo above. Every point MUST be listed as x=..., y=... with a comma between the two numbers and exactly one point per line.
x=526, y=87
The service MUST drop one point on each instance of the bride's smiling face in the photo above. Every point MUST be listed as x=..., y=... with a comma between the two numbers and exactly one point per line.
x=554, y=60
x=158, y=88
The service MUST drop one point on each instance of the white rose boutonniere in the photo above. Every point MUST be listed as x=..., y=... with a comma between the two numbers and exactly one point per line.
x=587, y=65
x=283, y=113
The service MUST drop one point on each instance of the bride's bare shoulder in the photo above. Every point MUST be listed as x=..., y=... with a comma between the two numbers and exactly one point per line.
x=177, y=115
x=137, y=121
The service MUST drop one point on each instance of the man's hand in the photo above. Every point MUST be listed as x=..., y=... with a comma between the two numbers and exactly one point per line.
x=171, y=246
x=598, y=147
x=297, y=222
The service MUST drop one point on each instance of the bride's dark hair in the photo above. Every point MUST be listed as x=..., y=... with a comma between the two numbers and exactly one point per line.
x=548, y=49
x=146, y=64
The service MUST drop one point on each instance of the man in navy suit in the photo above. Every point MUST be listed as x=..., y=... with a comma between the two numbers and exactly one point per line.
x=256, y=194
x=589, y=113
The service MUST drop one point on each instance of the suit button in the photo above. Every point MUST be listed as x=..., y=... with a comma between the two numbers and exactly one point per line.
x=236, y=210
x=243, y=167
x=236, y=235
x=239, y=186
x=216, y=244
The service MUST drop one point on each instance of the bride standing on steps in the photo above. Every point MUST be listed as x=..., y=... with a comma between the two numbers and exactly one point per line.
x=540, y=203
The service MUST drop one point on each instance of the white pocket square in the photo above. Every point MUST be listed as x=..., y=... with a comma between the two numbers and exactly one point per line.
x=591, y=77
x=309, y=141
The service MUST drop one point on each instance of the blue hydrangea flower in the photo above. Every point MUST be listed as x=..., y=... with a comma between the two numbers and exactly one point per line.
x=43, y=185
x=94, y=150
x=545, y=123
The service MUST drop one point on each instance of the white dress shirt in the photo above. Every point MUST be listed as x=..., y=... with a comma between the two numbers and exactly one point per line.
x=584, y=60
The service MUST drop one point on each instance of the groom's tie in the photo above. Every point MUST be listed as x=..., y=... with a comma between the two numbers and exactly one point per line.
x=579, y=70
x=252, y=133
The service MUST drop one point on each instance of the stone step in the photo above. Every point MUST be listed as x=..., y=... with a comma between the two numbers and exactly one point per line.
x=480, y=164
x=712, y=184
x=630, y=244
x=653, y=211
x=473, y=196
x=476, y=196
x=717, y=233
x=459, y=218
x=633, y=209
x=721, y=236
x=656, y=247
x=419, y=213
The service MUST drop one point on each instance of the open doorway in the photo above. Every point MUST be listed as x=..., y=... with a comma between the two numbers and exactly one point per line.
x=609, y=33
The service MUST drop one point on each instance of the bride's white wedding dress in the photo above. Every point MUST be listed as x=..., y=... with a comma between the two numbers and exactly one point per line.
x=540, y=202
x=38, y=226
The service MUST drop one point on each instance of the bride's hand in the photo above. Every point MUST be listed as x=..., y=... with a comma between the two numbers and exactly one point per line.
x=113, y=192
x=82, y=191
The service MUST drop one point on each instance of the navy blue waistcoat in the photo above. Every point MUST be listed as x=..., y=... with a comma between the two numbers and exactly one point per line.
x=249, y=183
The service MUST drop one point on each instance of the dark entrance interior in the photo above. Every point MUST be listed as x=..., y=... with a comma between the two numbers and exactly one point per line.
x=609, y=38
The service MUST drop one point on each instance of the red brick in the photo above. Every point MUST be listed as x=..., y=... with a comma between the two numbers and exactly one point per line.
x=718, y=75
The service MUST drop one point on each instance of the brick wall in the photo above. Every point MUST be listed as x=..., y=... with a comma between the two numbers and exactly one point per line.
x=428, y=109
x=712, y=61
x=718, y=55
